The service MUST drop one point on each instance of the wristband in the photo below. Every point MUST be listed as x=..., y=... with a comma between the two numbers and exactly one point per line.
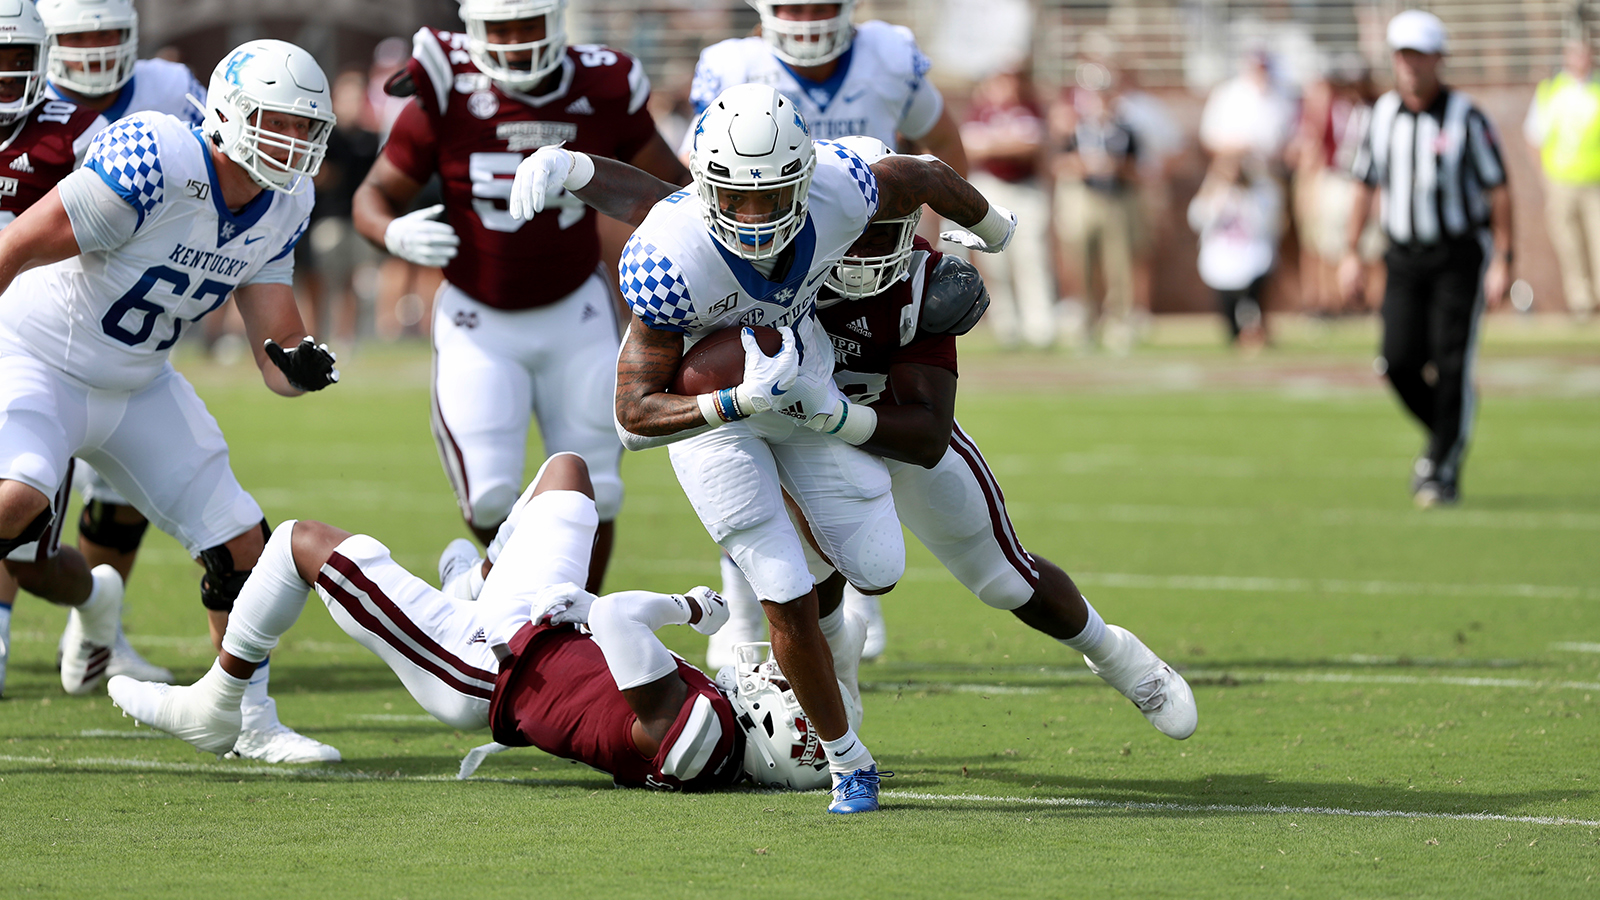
x=721, y=406
x=708, y=409
x=993, y=227
x=582, y=172
x=857, y=422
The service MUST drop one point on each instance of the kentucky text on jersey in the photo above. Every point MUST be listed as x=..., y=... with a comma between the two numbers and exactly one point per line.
x=207, y=261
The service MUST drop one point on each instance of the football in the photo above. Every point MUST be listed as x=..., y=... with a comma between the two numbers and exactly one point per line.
x=717, y=361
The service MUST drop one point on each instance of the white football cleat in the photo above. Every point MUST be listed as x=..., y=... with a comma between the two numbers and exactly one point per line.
x=278, y=743
x=847, y=656
x=126, y=661
x=455, y=568
x=91, y=632
x=870, y=611
x=186, y=713
x=5, y=644
x=1160, y=693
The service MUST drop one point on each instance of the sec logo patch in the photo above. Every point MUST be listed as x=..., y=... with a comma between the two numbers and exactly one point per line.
x=483, y=104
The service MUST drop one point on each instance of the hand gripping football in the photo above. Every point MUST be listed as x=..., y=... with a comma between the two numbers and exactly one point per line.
x=717, y=361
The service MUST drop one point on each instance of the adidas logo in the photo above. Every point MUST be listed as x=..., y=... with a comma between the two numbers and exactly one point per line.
x=478, y=637
x=589, y=312
x=859, y=326
x=580, y=107
x=21, y=164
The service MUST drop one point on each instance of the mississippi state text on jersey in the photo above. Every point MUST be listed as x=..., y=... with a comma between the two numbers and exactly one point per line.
x=41, y=150
x=879, y=88
x=871, y=334
x=677, y=277
x=556, y=693
x=474, y=132
x=157, y=85
x=110, y=317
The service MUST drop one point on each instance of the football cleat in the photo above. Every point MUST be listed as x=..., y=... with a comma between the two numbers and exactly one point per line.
x=91, y=633
x=5, y=644
x=857, y=791
x=1421, y=473
x=1153, y=686
x=188, y=713
x=870, y=611
x=278, y=743
x=455, y=568
x=1434, y=493
x=126, y=661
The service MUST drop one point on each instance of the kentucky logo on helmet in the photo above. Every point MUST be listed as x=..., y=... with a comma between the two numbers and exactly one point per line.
x=801, y=123
x=236, y=65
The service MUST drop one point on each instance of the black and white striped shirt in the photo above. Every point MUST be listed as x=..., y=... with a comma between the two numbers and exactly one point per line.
x=1434, y=168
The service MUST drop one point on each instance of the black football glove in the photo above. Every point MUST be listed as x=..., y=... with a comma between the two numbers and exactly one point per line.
x=308, y=367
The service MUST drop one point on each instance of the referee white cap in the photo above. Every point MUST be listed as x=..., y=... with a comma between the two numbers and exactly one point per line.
x=1417, y=30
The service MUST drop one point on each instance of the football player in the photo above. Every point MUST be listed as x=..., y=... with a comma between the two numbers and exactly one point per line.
x=93, y=66
x=867, y=79
x=526, y=323
x=608, y=694
x=768, y=216
x=157, y=228
x=893, y=308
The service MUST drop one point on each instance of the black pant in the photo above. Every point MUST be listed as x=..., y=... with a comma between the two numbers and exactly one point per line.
x=1431, y=307
x=1241, y=308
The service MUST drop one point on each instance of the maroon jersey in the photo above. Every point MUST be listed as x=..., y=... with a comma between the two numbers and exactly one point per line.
x=557, y=694
x=40, y=153
x=874, y=333
x=473, y=133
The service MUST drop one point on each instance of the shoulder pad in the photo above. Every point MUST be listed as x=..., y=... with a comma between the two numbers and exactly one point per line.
x=400, y=84
x=955, y=297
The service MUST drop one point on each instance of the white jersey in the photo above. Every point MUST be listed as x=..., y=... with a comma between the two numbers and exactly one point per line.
x=677, y=277
x=879, y=89
x=109, y=316
x=157, y=85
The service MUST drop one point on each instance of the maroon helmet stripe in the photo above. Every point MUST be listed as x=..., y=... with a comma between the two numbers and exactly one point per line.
x=1004, y=534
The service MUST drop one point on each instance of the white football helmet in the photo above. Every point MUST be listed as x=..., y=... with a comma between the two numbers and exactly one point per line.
x=751, y=142
x=866, y=274
x=21, y=27
x=806, y=43
x=261, y=77
x=780, y=748
x=495, y=59
x=91, y=71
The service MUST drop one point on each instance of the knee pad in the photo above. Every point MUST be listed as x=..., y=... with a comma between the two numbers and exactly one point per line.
x=222, y=582
x=99, y=525
x=491, y=507
x=878, y=554
x=32, y=532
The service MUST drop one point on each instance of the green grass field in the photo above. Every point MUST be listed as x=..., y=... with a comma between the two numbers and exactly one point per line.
x=1392, y=703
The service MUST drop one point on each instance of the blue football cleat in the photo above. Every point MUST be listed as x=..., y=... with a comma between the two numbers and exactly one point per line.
x=857, y=791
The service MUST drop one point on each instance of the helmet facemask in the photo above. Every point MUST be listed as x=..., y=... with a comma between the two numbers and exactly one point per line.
x=91, y=71
x=877, y=260
x=27, y=83
x=806, y=43
x=772, y=213
x=503, y=62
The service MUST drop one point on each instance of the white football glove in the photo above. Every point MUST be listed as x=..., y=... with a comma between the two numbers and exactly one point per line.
x=562, y=604
x=713, y=609
x=415, y=237
x=988, y=236
x=544, y=175
x=766, y=378
x=812, y=399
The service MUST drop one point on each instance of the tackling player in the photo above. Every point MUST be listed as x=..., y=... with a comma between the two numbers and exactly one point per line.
x=160, y=225
x=526, y=323
x=893, y=308
x=769, y=215
x=610, y=695
x=867, y=79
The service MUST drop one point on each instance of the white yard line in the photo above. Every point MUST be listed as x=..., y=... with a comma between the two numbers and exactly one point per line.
x=1245, y=676
x=1576, y=646
x=1068, y=802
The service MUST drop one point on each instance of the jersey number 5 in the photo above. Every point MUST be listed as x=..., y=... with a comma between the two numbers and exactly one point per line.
x=134, y=301
x=491, y=175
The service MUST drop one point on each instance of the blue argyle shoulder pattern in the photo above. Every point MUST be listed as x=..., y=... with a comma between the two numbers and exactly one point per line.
x=860, y=173
x=655, y=287
x=126, y=159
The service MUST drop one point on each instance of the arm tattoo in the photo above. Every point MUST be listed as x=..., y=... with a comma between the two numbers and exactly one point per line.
x=645, y=368
x=623, y=192
x=907, y=182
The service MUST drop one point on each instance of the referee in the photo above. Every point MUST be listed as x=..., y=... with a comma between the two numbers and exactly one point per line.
x=1447, y=212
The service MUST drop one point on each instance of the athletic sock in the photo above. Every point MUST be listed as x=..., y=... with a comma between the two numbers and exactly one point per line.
x=269, y=603
x=260, y=711
x=226, y=690
x=744, y=610
x=847, y=754
x=832, y=626
x=1091, y=641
